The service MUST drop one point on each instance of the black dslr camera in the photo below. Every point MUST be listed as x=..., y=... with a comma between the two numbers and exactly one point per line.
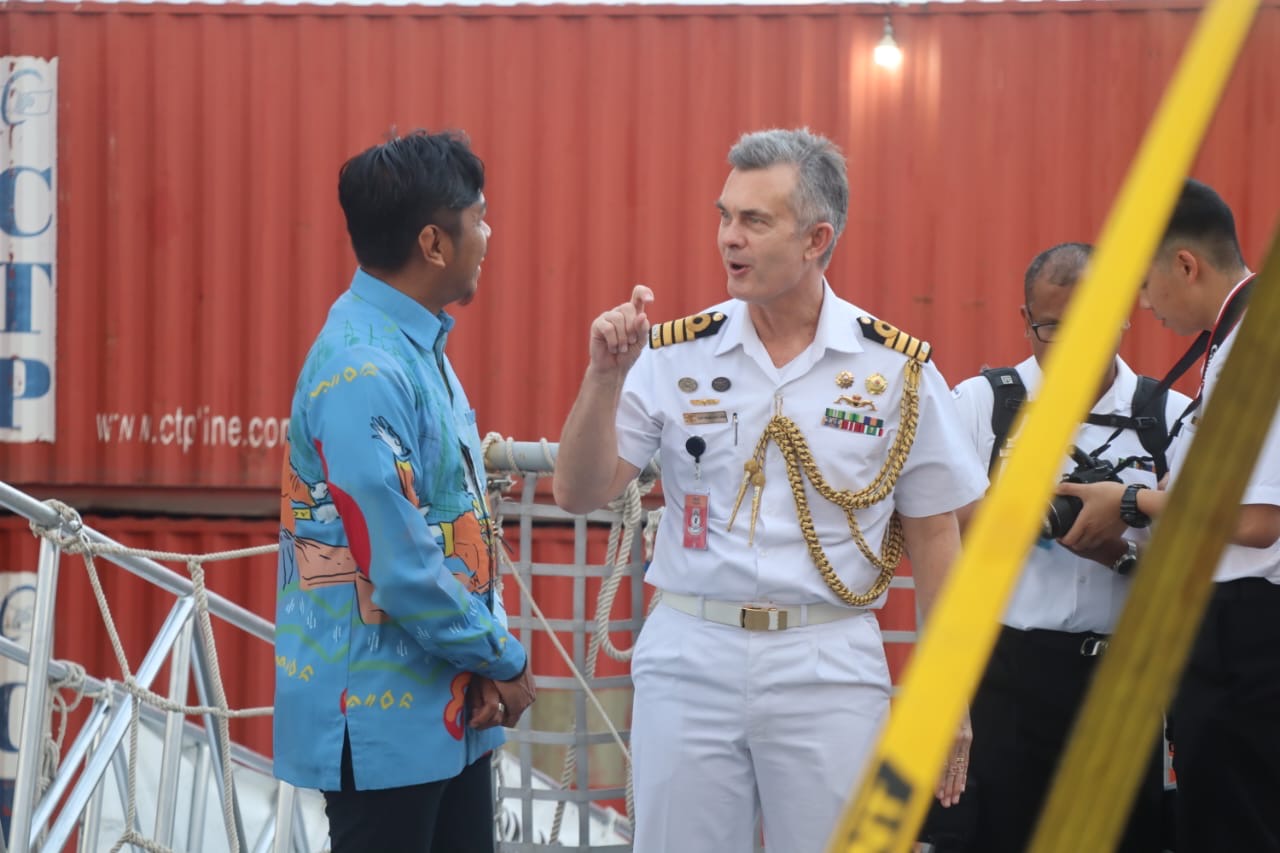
x=1064, y=509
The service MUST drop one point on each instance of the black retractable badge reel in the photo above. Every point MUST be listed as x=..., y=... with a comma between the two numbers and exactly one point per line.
x=696, y=502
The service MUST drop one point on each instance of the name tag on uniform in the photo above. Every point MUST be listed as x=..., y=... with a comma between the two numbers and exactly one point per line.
x=696, y=418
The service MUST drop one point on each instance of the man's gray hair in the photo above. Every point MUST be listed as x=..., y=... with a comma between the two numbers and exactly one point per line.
x=822, y=186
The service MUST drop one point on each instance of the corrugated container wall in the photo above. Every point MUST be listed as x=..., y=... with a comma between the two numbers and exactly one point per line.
x=201, y=242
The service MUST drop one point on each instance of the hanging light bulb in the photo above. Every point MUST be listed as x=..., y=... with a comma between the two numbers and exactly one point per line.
x=887, y=53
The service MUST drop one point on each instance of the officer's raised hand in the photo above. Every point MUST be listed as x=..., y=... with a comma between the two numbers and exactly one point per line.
x=619, y=335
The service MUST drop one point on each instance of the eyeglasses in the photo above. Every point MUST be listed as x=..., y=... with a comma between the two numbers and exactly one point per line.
x=1045, y=332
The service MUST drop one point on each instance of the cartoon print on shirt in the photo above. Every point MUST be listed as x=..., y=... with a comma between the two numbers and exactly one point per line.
x=309, y=562
x=465, y=540
x=455, y=708
x=386, y=433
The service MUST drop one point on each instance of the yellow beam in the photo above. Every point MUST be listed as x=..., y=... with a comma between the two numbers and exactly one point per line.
x=894, y=794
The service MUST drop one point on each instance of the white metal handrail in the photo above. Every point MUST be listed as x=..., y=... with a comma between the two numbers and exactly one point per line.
x=46, y=819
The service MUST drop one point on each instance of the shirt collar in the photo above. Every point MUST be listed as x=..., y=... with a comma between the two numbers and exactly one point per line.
x=1225, y=302
x=837, y=325
x=425, y=329
x=1119, y=397
x=1115, y=400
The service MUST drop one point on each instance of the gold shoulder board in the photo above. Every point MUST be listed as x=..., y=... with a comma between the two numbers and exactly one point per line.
x=895, y=339
x=685, y=329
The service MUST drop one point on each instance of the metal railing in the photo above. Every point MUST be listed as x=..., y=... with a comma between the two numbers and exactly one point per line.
x=44, y=817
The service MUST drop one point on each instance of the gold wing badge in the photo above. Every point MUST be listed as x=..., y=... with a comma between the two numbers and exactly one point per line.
x=685, y=329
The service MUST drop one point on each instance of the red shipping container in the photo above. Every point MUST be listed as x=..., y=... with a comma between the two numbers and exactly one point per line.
x=200, y=239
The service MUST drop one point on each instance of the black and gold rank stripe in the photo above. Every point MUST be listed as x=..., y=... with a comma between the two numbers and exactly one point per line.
x=895, y=339
x=685, y=329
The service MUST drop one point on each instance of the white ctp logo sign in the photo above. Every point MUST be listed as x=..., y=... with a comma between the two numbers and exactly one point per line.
x=28, y=247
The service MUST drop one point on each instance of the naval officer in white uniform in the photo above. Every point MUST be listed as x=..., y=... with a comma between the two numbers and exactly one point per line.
x=804, y=445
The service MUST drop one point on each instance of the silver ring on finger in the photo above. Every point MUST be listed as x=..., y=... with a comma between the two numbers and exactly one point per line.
x=502, y=709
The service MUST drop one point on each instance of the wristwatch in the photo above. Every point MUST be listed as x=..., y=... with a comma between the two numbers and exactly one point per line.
x=1129, y=512
x=1127, y=561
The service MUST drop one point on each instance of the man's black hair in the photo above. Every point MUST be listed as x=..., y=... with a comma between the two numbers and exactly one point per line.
x=392, y=191
x=1062, y=265
x=1202, y=217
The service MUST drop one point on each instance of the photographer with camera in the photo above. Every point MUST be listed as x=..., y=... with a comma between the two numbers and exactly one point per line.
x=1225, y=718
x=1066, y=602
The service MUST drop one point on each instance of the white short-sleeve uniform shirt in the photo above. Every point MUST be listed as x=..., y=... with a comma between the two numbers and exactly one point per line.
x=724, y=388
x=1237, y=561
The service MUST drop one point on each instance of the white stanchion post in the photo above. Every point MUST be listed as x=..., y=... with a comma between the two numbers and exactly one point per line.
x=17, y=607
x=30, y=741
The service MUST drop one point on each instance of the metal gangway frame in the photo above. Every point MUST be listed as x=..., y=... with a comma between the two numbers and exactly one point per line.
x=46, y=819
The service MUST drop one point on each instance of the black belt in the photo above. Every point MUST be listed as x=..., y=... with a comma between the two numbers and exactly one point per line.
x=1087, y=644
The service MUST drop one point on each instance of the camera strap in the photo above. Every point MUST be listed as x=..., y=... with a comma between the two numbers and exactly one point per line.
x=1205, y=342
x=1151, y=429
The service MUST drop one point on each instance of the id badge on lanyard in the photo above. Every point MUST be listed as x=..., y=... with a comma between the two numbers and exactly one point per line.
x=697, y=503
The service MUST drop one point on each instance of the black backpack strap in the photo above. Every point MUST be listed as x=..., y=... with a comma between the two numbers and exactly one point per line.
x=1149, y=404
x=1148, y=420
x=1010, y=394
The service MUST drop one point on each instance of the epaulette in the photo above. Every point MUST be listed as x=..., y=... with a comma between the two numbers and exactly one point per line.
x=895, y=339
x=685, y=329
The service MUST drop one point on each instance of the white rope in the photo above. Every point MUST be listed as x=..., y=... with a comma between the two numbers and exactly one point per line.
x=70, y=536
x=632, y=518
x=509, y=447
x=508, y=444
x=60, y=707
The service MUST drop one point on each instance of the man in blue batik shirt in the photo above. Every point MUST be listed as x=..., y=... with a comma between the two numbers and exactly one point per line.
x=394, y=665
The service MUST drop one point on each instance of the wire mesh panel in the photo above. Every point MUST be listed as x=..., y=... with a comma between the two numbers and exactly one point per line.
x=574, y=590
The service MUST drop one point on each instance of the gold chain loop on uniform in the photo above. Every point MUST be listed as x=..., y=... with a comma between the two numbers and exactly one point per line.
x=795, y=453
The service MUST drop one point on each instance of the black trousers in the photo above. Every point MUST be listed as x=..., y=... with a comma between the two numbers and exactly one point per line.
x=1225, y=725
x=450, y=816
x=1022, y=716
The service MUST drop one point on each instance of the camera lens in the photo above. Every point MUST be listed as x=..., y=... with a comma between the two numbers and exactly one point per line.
x=1063, y=511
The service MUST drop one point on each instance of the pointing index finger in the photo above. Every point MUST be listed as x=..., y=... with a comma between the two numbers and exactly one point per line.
x=640, y=297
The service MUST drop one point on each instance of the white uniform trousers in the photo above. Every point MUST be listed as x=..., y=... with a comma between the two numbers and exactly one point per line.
x=729, y=724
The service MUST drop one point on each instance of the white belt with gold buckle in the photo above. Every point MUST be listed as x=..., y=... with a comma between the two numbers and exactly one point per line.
x=757, y=617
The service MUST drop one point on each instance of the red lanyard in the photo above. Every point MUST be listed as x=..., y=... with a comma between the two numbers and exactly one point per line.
x=1231, y=313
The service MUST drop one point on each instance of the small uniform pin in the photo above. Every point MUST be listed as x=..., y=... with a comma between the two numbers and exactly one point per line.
x=877, y=384
x=721, y=384
x=844, y=379
x=687, y=384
